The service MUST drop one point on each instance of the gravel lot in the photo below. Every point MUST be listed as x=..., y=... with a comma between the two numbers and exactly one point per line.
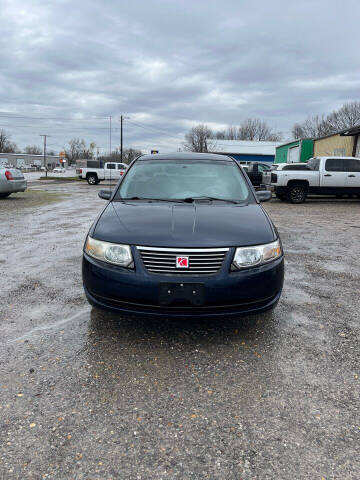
x=91, y=395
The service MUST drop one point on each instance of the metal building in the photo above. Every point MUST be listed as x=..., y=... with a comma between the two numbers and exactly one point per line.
x=25, y=160
x=295, y=151
x=245, y=150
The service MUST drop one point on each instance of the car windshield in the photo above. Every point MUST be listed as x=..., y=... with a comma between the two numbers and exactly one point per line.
x=184, y=179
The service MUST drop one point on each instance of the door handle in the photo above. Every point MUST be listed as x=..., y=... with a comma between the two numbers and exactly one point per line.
x=351, y=175
x=327, y=175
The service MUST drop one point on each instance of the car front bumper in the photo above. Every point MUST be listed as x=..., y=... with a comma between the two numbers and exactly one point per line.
x=226, y=293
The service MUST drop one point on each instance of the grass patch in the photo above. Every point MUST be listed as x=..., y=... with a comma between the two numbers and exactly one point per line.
x=66, y=179
x=29, y=198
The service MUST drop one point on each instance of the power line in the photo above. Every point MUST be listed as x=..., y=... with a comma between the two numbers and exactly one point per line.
x=59, y=127
x=6, y=115
x=155, y=130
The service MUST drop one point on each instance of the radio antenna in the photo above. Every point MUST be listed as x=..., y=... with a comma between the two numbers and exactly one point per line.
x=110, y=151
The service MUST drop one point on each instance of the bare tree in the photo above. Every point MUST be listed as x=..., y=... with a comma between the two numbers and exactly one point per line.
x=33, y=150
x=220, y=135
x=257, y=130
x=6, y=145
x=231, y=133
x=317, y=126
x=345, y=117
x=313, y=127
x=78, y=149
x=196, y=138
x=250, y=129
x=129, y=154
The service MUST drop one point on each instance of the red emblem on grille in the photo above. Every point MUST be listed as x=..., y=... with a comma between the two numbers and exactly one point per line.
x=182, y=262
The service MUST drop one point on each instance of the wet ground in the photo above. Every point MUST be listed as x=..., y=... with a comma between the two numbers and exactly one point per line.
x=91, y=395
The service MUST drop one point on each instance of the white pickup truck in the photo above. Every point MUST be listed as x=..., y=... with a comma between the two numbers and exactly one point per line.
x=322, y=176
x=111, y=171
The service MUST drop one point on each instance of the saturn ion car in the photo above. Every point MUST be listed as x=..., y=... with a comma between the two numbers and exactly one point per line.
x=183, y=235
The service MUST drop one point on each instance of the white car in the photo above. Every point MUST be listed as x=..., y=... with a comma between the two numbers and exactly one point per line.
x=59, y=170
x=289, y=166
x=11, y=181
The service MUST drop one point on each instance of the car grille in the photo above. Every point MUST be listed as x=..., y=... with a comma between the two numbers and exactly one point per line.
x=201, y=261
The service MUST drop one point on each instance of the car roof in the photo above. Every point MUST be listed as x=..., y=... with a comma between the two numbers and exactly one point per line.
x=285, y=164
x=186, y=156
x=337, y=157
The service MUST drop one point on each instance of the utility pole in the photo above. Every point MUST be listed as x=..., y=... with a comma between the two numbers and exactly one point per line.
x=110, y=137
x=45, y=136
x=121, y=138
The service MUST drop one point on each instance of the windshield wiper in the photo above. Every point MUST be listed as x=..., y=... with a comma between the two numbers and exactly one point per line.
x=152, y=199
x=192, y=199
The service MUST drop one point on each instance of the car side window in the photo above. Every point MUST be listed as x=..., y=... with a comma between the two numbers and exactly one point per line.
x=111, y=166
x=263, y=168
x=313, y=164
x=335, y=165
x=352, y=165
x=295, y=167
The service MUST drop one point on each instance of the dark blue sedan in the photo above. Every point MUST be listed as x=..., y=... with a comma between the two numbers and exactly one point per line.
x=183, y=235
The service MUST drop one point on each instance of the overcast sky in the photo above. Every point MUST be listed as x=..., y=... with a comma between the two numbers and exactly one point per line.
x=168, y=65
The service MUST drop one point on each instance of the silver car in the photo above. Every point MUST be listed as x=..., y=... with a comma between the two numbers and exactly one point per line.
x=11, y=181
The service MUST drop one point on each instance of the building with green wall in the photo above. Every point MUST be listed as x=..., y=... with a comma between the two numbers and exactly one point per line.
x=295, y=151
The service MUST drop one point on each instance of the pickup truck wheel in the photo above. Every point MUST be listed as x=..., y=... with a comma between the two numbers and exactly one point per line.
x=91, y=179
x=4, y=195
x=296, y=193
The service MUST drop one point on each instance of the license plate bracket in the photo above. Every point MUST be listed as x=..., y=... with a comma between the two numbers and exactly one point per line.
x=181, y=294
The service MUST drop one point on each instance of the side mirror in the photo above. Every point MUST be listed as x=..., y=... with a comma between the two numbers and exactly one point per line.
x=263, y=195
x=105, y=194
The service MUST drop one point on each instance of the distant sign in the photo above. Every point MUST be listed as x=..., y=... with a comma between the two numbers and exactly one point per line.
x=62, y=154
x=154, y=151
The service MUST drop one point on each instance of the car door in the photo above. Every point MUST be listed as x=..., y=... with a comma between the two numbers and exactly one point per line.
x=110, y=171
x=261, y=170
x=353, y=173
x=335, y=173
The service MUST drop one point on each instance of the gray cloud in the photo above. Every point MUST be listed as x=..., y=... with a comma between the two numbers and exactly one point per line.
x=170, y=64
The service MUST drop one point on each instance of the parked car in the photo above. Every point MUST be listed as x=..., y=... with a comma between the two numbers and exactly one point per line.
x=287, y=166
x=183, y=234
x=255, y=172
x=11, y=181
x=59, y=170
x=321, y=176
x=111, y=171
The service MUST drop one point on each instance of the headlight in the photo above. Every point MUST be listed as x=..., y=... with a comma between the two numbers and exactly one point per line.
x=251, y=256
x=109, y=252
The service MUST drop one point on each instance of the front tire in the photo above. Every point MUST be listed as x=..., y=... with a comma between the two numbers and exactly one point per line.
x=4, y=195
x=92, y=179
x=296, y=193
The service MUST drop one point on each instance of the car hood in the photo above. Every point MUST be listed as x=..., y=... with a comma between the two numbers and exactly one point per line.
x=191, y=225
